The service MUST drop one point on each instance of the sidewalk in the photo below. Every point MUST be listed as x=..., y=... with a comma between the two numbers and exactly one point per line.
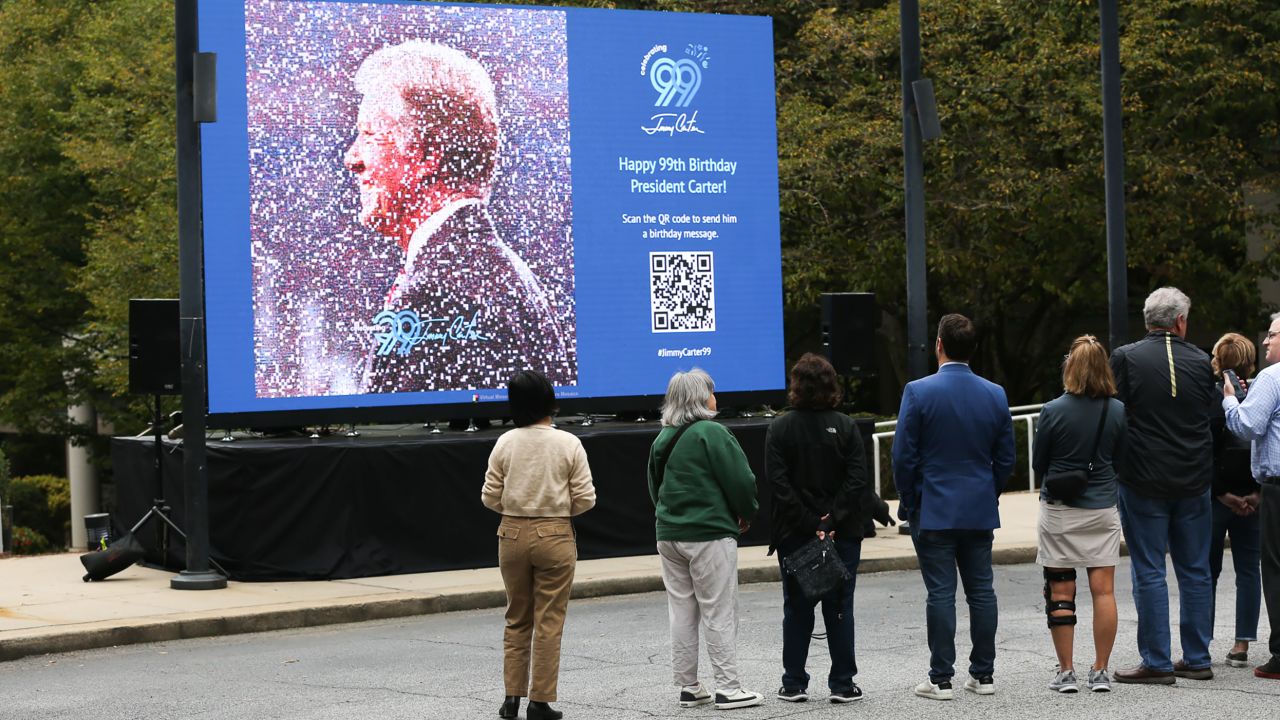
x=46, y=608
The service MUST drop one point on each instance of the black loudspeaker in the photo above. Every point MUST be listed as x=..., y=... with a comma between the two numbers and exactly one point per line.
x=155, y=352
x=849, y=323
x=118, y=556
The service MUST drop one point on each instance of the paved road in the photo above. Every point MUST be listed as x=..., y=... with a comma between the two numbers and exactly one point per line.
x=615, y=666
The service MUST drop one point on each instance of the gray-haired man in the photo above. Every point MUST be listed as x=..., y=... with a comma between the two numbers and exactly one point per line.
x=1166, y=385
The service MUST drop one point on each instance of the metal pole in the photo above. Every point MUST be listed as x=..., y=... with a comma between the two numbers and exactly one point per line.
x=1113, y=164
x=195, y=474
x=913, y=180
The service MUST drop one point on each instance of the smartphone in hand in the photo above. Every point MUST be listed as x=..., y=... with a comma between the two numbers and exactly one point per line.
x=1236, y=384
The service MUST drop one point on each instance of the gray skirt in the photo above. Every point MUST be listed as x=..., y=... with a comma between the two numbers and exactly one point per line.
x=1071, y=537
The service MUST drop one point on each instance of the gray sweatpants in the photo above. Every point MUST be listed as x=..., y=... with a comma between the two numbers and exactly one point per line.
x=702, y=588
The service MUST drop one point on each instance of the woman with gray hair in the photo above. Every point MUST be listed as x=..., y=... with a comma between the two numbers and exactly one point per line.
x=705, y=496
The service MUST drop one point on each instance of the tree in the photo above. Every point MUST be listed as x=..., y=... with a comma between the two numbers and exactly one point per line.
x=120, y=135
x=1015, y=216
x=43, y=211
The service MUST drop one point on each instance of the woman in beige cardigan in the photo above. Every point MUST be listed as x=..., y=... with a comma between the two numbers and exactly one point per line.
x=538, y=478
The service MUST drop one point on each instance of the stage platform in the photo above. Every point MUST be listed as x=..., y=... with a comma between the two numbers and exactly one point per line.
x=393, y=500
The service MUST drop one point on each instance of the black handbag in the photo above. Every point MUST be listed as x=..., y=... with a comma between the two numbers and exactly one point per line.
x=1071, y=484
x=816, y=568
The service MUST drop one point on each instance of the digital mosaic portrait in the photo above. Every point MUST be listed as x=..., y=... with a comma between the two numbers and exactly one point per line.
x=410, y=197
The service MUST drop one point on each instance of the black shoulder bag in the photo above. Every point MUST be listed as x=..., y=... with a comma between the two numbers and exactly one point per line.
x=1071, y=484
x=816, y=568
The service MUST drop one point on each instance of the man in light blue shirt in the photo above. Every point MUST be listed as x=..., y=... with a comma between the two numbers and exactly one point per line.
x=1257, y=418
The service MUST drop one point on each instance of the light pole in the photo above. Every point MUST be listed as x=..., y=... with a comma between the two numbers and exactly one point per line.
x=1113, y=164
x=198, y=575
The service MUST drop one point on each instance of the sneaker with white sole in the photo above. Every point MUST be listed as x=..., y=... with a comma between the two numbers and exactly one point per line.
x=1099, y=681
x=739, y=698
x=791, y=694
x=980, y=685
x=935, y=691
x=1065, y=682
x=851, y=694
x=694, y=695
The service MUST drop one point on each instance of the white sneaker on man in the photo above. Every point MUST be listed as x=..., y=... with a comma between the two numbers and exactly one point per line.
x=980, y=685
x=935, y=691
x=739, y=698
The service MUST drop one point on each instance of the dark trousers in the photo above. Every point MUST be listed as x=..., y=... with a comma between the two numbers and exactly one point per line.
x=837, y=615
x=1269, y=517
x=941, y=553
x=1245, y=551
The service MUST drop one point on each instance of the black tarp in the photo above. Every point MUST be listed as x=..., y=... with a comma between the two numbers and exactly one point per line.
x=390, y=501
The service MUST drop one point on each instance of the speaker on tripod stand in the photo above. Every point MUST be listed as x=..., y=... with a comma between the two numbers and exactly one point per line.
x=155, y=368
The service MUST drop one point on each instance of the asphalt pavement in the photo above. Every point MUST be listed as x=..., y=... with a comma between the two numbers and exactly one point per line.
x=615, y=665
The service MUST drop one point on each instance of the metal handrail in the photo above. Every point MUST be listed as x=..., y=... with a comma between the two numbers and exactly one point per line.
x=1021, y=413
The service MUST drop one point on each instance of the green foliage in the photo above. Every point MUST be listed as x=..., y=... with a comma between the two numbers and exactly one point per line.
x=88, y=218
x=1014, y=189
x=42, y=503
x=29, y=542
x=43, y=204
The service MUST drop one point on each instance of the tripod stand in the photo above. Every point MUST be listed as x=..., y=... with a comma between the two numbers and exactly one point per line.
x=159, y=506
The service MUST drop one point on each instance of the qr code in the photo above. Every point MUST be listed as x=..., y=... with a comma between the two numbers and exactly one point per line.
x=682, y=291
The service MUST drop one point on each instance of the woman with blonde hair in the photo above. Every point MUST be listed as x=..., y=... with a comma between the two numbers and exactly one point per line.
x=1083, y=430
x=1236, y=509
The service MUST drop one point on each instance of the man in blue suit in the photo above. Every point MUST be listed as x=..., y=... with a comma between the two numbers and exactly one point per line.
x=952, y=454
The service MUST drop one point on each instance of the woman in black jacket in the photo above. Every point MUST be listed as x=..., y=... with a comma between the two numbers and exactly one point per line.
x=1235, y=509
x=815, y=464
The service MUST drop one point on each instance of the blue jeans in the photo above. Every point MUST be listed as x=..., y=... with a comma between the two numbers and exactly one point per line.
x=837, y=615
x=1183, y=527
x=1246, y=556
x=941, y=553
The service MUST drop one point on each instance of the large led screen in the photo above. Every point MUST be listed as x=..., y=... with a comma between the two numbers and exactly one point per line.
x=406, y=203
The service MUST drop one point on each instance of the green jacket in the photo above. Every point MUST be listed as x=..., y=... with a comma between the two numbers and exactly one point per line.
x=707, y=487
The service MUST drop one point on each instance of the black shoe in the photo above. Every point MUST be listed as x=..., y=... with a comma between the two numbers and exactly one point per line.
x=510, y=707
x=1270, y=670
x=791, y=694
x=852, y=694
x=542, y=711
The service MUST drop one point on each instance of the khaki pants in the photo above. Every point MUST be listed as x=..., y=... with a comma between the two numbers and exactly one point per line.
x=537, y=557
x=702, y=589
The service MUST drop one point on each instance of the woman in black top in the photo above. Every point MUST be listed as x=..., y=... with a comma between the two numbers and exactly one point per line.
x=1084, y=531
x=1236, y=509
x=815, y=464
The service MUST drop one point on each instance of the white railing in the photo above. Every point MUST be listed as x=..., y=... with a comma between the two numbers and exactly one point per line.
x=1022, y=413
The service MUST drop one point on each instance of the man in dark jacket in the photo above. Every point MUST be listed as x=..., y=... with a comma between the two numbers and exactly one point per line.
x=1166, y=385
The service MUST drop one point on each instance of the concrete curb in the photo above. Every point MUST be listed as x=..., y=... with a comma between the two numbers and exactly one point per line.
x=384, y=608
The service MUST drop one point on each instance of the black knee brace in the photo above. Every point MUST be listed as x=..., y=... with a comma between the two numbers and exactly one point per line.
x=1051, y=606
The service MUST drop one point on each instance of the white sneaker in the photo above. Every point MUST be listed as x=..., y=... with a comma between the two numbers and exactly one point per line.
x=980, y=686
x=739, y=698
x=694, y=695
x=940, y=691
